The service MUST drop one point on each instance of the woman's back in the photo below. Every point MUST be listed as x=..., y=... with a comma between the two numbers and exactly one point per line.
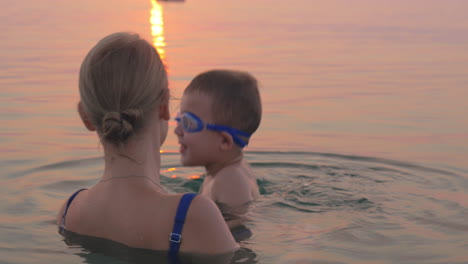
x=137, y=213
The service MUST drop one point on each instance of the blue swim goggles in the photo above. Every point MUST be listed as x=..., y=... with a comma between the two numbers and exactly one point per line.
x=192, y=123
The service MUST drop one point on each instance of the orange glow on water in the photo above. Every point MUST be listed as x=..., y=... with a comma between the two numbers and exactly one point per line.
x=157, y=28
x=194, y=177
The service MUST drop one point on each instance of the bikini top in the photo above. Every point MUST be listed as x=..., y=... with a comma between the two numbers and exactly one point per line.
x=175, y=237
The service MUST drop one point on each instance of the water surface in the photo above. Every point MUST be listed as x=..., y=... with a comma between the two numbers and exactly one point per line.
x=361, y=154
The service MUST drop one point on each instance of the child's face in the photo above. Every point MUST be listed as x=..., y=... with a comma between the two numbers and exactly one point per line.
x=198, y=148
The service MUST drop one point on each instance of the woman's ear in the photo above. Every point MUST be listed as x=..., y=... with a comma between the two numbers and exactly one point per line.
x=227, y=142
x=85, y=118
x=164, y=112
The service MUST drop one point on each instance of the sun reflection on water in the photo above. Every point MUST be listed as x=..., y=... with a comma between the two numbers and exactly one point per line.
x=157, y=28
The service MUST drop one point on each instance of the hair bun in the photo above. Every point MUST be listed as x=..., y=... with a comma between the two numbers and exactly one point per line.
x=119, y=127
x=131, y=116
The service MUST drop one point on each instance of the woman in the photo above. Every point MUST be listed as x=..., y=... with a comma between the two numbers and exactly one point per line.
x=124, y=97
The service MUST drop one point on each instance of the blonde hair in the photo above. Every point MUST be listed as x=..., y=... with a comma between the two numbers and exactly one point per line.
x=122, y=80
x=236, y=98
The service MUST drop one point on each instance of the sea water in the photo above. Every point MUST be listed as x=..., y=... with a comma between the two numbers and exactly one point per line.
x=361, y=156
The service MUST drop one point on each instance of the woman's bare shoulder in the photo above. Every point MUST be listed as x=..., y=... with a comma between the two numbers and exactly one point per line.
x=203, y=207
x=207, y=232
x=75, y=196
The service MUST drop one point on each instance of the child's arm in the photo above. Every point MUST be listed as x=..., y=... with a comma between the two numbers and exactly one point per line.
x=230, y=190
x=234, y=216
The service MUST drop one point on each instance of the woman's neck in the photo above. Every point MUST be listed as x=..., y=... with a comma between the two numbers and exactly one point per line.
x=136, y=158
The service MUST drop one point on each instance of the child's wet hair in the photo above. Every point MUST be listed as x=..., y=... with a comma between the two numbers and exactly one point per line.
x=236, y=98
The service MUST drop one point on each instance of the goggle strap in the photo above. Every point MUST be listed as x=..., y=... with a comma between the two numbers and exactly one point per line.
x=233, y=132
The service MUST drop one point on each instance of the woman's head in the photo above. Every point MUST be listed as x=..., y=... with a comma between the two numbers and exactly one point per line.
x=122, y=81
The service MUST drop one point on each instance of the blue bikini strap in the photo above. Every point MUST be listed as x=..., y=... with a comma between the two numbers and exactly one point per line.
x=70, y=200
x=176, y=236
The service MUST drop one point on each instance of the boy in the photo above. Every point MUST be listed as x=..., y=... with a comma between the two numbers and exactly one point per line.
x=220, y=110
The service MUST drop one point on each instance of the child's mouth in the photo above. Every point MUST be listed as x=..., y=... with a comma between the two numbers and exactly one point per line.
x=182, y=148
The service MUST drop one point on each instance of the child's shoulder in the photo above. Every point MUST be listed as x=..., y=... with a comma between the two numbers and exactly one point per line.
x=238, y=170
x=234, y=186
x=234, y=177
